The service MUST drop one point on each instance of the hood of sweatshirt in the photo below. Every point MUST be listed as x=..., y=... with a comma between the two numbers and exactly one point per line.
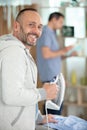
x=8, y=41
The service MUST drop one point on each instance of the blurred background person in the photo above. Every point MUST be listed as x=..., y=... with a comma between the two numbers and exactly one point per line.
x=49, y=54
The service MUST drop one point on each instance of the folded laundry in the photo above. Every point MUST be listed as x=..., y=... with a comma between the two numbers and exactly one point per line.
x=68, y=123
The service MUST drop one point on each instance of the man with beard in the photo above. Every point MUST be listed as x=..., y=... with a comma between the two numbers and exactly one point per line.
x=18, y=75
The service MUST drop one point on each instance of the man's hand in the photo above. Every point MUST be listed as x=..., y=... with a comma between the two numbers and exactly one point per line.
x=66, y=49
x=50, y=119
x=74, y=53
x=51, y=90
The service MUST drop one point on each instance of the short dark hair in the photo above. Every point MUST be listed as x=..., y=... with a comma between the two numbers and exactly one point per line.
x=24, y=10
x=56, y=15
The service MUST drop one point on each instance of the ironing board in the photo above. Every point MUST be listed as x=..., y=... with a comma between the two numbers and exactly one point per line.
x=41, y=127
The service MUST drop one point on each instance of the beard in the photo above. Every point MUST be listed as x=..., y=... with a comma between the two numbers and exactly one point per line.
x=28, y=38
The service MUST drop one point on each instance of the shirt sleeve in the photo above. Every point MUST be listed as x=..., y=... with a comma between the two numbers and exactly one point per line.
x=13, y=72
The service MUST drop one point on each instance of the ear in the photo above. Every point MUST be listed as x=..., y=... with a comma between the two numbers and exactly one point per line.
x=16, y=26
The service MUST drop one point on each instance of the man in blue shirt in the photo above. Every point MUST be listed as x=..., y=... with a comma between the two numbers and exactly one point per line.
x=49, y=54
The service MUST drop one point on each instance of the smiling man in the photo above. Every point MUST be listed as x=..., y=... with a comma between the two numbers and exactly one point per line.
x=18, y=75
x=30, y=29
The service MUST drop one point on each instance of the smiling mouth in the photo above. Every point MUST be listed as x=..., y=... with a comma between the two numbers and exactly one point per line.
x=32, y=37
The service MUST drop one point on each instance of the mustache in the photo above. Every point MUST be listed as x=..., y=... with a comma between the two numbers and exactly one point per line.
x=33, y=34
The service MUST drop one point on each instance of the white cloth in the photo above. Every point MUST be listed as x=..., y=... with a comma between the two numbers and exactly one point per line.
x=18, y=92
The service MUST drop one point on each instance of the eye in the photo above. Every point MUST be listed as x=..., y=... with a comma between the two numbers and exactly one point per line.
x=31, y=25
x=40, y=28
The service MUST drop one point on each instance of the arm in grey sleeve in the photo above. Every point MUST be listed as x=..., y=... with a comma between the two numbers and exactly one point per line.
x=42, y=93
x=39, y=118
x=14, y=91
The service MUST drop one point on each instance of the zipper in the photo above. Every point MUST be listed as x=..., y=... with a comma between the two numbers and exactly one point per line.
x=18, y=116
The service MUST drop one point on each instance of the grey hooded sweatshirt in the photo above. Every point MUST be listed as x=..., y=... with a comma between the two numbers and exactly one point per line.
x=18, y=81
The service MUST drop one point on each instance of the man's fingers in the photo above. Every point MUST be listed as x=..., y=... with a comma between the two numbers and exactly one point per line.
x=50, y=116
x=69, y=48
x=53, y=121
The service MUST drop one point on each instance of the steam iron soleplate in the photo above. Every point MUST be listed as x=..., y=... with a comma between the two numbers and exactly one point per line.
x=56, y=103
